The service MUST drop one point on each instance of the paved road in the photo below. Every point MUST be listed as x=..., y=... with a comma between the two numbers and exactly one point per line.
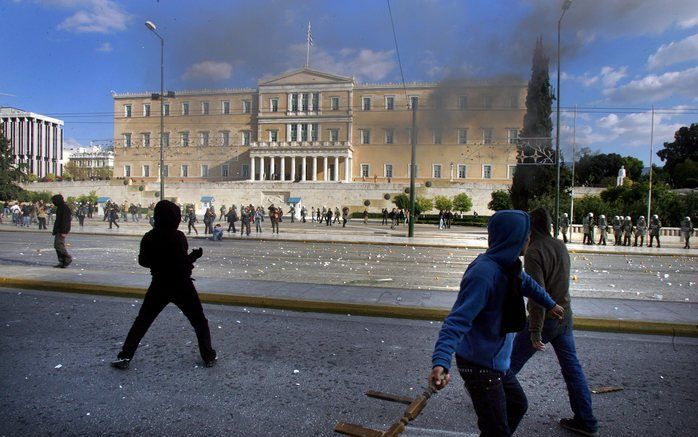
x=255, y=391
x=668, y=278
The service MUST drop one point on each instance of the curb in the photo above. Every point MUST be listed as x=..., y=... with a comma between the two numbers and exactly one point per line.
x=358, y=309
x=444, y=245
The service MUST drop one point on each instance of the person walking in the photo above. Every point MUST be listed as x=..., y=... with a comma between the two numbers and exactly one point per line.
x=222, y=211
x=384, y=215
x=113, y=215
x=275, y=217
x=304, y=213
x=686, y=231
x=365, y=217
x=564, y=226
x=209, y=218
x=345, y=216
x=81, y=213
x=41, y=216
x=191, y=217
x=328, y=217
x=480, y=329
x=548, y=263
x=258, y=216
x=655, y=227
x=232, y=217
x=336, y=214
x=292, y=213
x=165, y=251
x=61, y=229
x=245, y=213
x=640, y=230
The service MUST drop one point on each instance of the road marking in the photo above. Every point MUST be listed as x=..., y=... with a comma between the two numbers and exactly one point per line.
x=428, y=432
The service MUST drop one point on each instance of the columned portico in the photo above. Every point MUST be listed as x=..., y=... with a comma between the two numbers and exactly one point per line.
x=325, y=150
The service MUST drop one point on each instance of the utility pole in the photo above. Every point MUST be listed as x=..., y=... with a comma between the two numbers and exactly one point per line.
x=413, y=168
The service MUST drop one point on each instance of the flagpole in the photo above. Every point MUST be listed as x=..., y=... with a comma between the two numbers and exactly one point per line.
x=307, y=53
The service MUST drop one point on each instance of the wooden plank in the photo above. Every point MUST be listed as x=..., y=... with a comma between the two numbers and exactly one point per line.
x=356, y=430
x=389, y=397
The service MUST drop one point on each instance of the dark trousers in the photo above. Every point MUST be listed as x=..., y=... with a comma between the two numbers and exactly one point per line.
x=81, y=220
x=561, y=337
x=231, y=227
x=652, y=237
x=498, y=399
x=64, y=257
x=42, y=222
x=182, y=294
x=191, y=226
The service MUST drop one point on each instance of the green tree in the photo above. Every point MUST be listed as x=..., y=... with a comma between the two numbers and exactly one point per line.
x=686, y=174
x=599, y=169
x=633, y=167
x=462, y=203
x=10, y=173
x=685, y=146
x=422, y=204
x=402, y=201
x=532, y=179
x=501, y=199
x=443, y=203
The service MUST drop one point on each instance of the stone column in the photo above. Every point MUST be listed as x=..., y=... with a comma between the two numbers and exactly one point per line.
x=336, y=168
x=293, y=169
x=252, y=160
x=261, y=168
x=283, y=168
x=324, y=169
x=347, y=169
x=314, y=168
x=299, y=133
x=271, y=168
x=310, y=132
x=303, y=170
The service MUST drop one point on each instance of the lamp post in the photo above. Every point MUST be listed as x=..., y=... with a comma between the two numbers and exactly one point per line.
x=565, y=6
x=150, y=25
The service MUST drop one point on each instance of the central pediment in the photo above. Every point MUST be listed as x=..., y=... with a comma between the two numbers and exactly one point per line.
x=304, y=76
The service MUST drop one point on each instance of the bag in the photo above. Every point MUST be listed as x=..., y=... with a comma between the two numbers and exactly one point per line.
x=513, y=307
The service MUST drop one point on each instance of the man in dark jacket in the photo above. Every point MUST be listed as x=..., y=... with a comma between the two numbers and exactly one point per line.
x=61, y=228
x=548, y=263
x=164, y=250
x=479, y=328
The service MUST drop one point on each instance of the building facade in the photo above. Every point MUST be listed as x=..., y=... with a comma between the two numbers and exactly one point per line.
x=89, y=162
x=36, y=140
x=311, y=126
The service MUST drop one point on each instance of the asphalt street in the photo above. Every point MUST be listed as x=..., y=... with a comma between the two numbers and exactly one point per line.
x=636, y=276
x=294, y=374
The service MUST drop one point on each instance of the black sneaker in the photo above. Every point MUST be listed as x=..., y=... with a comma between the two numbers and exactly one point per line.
x=211, y=363
x=59, y=266
x=576, y=427
x=121, y=363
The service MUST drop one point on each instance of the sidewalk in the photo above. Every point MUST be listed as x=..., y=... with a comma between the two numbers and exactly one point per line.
x=372, y=233
x=616, y=315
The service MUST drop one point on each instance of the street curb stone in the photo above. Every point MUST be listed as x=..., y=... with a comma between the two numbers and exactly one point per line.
x=373, y=310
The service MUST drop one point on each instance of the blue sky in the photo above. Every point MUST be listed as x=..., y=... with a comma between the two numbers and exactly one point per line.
x=619, y=57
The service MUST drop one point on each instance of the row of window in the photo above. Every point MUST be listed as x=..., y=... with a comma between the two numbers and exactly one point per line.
x=512, y=135
x=204, y=138
x=464, y=102
x=436, y=171
x=184, y=171
x=185, y=108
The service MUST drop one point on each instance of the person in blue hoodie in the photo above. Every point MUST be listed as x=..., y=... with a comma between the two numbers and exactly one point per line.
x=480, y=329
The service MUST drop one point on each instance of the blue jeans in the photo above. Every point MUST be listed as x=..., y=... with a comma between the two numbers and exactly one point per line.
x=561, y=337
x=498, y=399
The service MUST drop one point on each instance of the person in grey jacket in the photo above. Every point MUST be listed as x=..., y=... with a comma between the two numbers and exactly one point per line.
x=617, y=230
x=564, y=226
x=687, y=231
x=640, y=230
x=603, y=229
x=627, y=230
x=655, y=227
x=548, y=263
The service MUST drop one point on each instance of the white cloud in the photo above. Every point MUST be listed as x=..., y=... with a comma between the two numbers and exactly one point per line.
x=105, y=47
x=71, y=143
x=608, y=77
x=209, y=71
x=653, y=88
x=364, y=64
x=674, y=53
x=93, y=16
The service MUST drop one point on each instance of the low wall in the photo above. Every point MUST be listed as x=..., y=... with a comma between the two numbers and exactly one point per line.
x=312, y=194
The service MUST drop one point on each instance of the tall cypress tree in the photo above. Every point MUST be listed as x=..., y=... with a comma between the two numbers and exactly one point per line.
x=534, y=180
x=10, y=172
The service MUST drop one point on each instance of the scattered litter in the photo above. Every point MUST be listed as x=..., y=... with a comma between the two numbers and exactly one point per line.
x=296, y=371
x=58, y=366
x=607, y=389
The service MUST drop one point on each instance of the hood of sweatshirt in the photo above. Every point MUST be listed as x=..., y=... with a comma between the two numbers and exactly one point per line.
x=57, y=200
x=540, y=223
x=167, y=216
x=507, y=232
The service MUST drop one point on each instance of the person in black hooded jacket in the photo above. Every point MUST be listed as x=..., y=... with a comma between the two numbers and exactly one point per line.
x=164, y=250
x=61, y=228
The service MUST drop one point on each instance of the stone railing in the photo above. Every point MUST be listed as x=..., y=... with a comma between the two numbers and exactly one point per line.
x=298, y=144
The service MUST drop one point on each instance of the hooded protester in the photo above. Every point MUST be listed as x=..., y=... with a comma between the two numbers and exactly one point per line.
x=686, y=231
x=480, y=328
x=548, y=263
x=655, y=227
x=164, y=250
x=640, y=230
x=61, y=228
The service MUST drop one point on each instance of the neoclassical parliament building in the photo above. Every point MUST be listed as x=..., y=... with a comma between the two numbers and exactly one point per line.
x=308, y=126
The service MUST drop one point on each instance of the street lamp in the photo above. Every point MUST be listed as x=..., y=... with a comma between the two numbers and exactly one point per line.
x=150, y=25
x=565, y=6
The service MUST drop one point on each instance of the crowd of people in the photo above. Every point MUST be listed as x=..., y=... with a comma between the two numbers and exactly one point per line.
x=625, y=232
